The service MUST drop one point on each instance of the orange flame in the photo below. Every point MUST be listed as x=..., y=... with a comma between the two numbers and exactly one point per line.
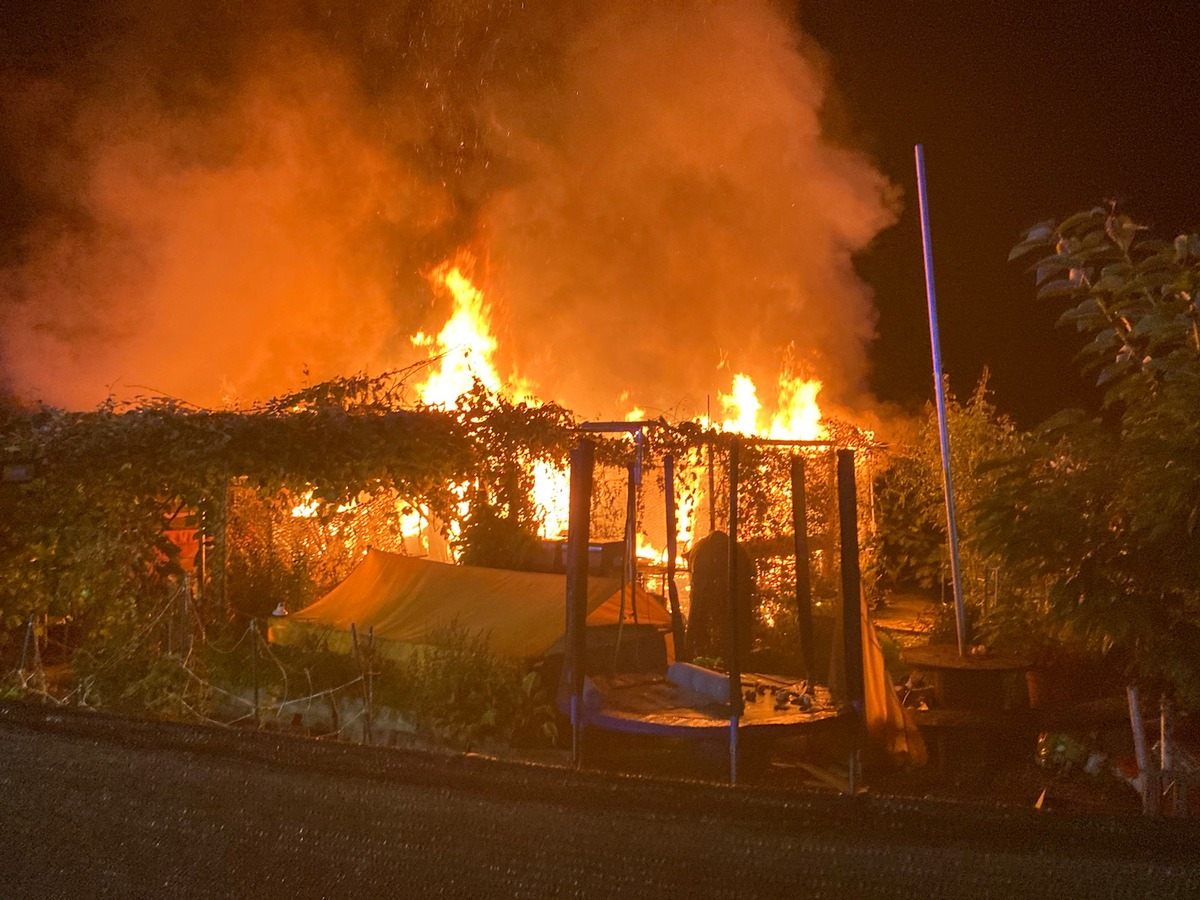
x=464, y=349
x=464, y=346
x=797, y=415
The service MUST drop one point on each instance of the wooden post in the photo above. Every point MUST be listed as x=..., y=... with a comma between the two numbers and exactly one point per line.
x=25, y=649
x=1147, y=764
x=254, y=664
x=733, y=665
x=804, y=616
x=364, y=671
x=677, y=630
x=851, y=601
x=578, y=526
x=851, y=578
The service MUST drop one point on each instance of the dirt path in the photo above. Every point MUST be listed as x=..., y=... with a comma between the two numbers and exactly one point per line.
x=93, y=805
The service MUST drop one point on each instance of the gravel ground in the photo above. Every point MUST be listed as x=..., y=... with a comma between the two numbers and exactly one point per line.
x=98, y=806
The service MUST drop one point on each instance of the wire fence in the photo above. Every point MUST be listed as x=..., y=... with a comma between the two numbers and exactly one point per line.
x=158, y=637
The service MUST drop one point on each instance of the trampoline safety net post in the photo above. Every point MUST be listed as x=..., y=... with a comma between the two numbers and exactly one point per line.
x=578, y=536
x=734, y=664
x=851, y=602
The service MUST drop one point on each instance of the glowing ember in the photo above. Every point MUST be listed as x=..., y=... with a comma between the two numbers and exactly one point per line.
x=688, y=494
x=307, y=507
x=647, y=552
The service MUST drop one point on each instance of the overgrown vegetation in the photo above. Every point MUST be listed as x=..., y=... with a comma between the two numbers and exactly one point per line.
x=458, y=691
x=288, y=495
x=1106, y=507
x=1082, y=539
x=909, y=550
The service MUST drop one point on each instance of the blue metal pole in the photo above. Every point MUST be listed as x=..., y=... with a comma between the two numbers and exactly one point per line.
x=939, y=388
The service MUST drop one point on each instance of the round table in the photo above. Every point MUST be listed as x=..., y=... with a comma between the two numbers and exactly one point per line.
x=971, y=681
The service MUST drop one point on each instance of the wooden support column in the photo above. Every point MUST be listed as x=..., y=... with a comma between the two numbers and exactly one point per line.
x=851, y=578
x=578, y=537
x=677, y=630
x=804, y=617
x=734, y=662
x=851, y=601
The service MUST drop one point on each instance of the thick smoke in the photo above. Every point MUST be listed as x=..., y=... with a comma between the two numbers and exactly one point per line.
x=222, y=205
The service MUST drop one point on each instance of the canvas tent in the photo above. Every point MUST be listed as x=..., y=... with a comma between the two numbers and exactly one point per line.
x=402, y=598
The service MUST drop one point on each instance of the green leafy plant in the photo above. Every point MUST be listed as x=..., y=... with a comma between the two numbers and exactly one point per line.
x=458, y=691
x=909, y=549
x=1106, y=508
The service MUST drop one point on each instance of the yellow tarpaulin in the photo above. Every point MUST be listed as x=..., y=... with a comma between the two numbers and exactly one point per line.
x=889, y=724
x=402, y=598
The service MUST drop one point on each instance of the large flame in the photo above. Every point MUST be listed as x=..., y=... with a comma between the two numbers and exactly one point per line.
x=464, y=351
x=464, y=346
x=797, y=415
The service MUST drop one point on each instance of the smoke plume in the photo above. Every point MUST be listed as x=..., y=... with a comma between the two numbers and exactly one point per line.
x=221, y=205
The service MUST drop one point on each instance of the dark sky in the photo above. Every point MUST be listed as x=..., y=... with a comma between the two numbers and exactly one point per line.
x=1027, y=111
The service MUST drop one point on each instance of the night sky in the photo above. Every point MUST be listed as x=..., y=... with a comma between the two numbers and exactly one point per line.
x=1027, y=112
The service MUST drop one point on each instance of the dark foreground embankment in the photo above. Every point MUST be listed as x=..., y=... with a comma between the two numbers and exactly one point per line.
x=93, y=805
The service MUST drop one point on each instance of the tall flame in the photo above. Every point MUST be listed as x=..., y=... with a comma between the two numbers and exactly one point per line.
x=742, y=405
x=797, y=415
x=464, y=349
x=464, y=346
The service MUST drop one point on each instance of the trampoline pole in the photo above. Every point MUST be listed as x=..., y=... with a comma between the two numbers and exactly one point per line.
x=734, y=663
x=677, y=631
x=579, y=522
x=733, y=749
x=803, y=578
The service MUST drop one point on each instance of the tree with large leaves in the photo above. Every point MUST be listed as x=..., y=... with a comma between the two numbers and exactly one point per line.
x=1106, y=506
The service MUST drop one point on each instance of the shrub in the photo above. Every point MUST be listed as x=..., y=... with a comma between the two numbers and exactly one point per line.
x=458, y=691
